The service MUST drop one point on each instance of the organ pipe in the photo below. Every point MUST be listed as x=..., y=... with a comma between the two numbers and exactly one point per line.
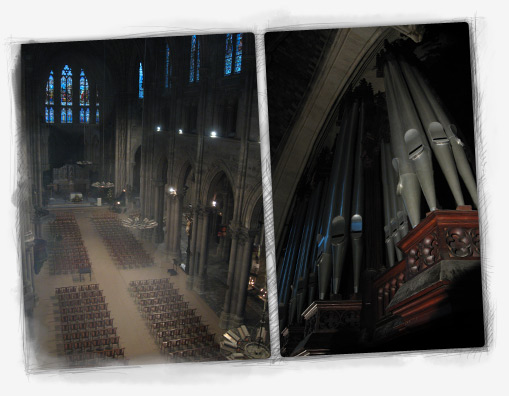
x=340, y=221
x=450, y=130
x=417, y=147
x=408, y=183
x=435, y=132
x=356, y=223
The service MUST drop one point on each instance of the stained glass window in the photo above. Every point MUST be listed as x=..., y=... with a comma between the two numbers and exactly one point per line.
x=66, y=87
x=69, y=116
x=167, y=69
x=140, y=82
x=46, y=114
x=84, y=91
x=192, y=62
x=238, y=53
x=97, y=116
x=50, y=90
x=231, y=62
x=87, y=115
x=228, y=58
x=63, y=116
x=97, y=96
x=194, y=68
x=198, y=62
x=84, y=97
x=51, y=115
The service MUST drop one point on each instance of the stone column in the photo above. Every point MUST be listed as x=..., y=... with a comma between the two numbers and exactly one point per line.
x=245, y=267
x=225, y=315
x=198, y=284
x=192, y=248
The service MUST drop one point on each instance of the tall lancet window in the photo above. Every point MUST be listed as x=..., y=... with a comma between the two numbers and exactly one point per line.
x=233, y=61
x=140, y=82
x=97, y=105
x=194, y=67
x=66, y=95
x=238, y=53
x=228, y=57
x=50, y=100
x=167, y=68
x=84, y=98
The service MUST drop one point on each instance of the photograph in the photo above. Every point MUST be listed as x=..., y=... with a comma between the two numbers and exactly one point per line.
x=376, y=226
x=140, y=196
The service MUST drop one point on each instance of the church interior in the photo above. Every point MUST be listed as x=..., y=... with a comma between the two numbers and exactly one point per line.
x=140, y=202
x=376, y=226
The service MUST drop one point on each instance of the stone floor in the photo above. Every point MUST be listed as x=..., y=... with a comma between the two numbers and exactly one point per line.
x=46, y=350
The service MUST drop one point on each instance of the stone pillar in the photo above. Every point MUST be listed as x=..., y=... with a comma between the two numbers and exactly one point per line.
x=245, y=267
x=198, y=284
x=194, y=236
x=225, y=315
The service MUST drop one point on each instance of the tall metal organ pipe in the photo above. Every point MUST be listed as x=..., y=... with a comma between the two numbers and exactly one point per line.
x=389, y=242
x=324, y=261
x=408, y=183
x=415, y=141
x=438, y=140
x=456, y=144
x=356, y=223
x=341, y=211
x=285, y=276
x=301, y=270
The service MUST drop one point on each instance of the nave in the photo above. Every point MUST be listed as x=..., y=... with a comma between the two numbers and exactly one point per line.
x=139, y=344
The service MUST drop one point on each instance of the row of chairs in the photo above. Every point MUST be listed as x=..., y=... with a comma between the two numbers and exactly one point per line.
x=178, y=332
x=81, y=295
x=155, y=294
x=83, y=309
x=82, y=302
x=91, y=345
x=87, y=317
x=184, y=343
x=161, y=300
x=163, y=308
x=90, y=335
x=74, y=289
x=71, y=331
x=158, y=317
x=92, y=358
x=86, y=325
x=174, y=323
x=149, y=282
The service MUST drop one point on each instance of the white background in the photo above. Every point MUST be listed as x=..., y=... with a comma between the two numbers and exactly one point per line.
x=466, y=373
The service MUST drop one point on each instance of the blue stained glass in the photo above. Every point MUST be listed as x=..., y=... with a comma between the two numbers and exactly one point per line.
x=87, y=116
x=51, y=116
x=228, y=58
x=63, y=89
x=84, y=90
x=238, y=53
x=50, y=89
x=46, y=112
x=198, y=62
x=69, y=91
x=63, y=114
x=141, y=82
x=97, y=116
x=66, y=86
x=192, y=62
x=69, y=116
x=167, y=69
x=82, y=115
